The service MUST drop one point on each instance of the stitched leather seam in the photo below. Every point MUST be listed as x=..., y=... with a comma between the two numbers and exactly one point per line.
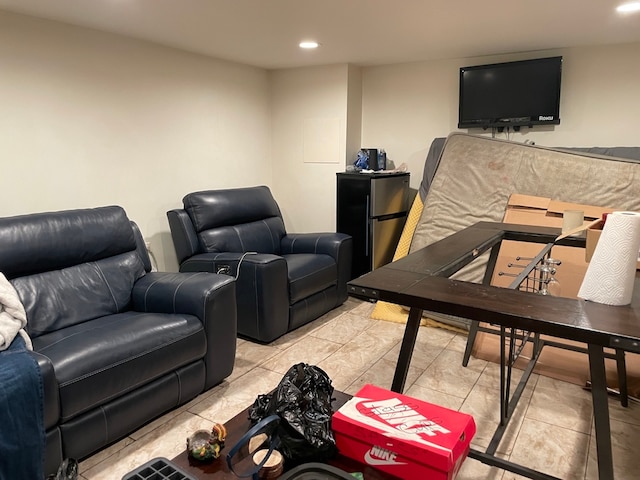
x=146, y=292
x=235, y=229
x=129, y=359
x=104, y=279
x=292, y=248
x=194, y=248
x=312, y=273
x=106, y=423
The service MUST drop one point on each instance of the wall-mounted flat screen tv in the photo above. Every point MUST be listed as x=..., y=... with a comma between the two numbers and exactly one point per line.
x=512, y=94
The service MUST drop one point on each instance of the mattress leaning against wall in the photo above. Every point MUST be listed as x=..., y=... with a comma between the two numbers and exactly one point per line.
x=469, y=178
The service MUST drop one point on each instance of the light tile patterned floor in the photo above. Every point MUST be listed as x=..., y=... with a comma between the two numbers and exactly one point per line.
x=552, y=430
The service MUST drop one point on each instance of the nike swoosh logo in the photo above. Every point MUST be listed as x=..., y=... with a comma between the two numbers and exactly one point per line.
x=379, y=461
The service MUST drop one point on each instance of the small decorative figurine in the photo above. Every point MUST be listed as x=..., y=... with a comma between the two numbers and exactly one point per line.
x=205, y=445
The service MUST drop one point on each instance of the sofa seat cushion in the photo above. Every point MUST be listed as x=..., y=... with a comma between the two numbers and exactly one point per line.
x=102, y=359
x=309, y=274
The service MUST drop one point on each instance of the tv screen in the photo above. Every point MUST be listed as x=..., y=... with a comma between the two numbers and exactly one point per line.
x=525, y=92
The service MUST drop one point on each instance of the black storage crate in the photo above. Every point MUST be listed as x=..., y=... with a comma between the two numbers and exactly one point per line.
x=157, y=469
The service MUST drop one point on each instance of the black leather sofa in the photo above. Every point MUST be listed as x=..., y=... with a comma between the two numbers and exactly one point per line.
x=288, y=280
x=117, y=344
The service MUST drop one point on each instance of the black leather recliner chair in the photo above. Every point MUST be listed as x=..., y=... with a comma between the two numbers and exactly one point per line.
x=288, y=280
x=117, y=344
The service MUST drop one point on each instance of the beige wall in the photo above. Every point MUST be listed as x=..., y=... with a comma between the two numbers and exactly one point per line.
x=90, y=119
x=354, y=114
x=305, y=160
x=406, y=106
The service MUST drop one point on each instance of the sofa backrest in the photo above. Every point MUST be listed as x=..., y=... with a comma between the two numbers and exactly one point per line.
x=236, y=220
x=71, y=266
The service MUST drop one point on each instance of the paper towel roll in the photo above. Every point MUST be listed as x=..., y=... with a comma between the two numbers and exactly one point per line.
x=610, y=276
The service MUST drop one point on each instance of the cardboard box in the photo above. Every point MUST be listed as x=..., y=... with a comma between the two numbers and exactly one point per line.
x=542, y=211
x=593, y=235
x=401, y=435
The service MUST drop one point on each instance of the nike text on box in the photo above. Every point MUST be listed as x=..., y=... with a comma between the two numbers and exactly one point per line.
x=403, y=436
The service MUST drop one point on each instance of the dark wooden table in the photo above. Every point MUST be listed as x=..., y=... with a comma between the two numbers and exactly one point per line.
x=238, y=426
x=419, y=281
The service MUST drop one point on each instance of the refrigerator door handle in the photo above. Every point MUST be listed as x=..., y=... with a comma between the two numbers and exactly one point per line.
x=366, y=228
x=382, y=218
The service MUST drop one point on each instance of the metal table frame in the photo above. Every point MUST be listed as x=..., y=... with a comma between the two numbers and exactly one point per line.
x=420, y=281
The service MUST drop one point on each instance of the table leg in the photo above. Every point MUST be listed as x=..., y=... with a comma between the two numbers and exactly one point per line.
x=471, y=338
x=406, y=349
x=486, y=280
x=601, y=412
x=504, y=398
x=622, y=377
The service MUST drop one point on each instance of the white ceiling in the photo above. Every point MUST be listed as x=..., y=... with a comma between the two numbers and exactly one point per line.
x=265, y=33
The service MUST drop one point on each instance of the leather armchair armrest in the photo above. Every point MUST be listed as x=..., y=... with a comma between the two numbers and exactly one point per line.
x=226, y=262
x=337, y=245
x=211, y=298
x=50, y=390
x=320, y=243
x=262, y=288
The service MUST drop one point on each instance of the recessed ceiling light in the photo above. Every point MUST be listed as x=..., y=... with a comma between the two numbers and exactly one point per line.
x=629, y=7
x=309, y=44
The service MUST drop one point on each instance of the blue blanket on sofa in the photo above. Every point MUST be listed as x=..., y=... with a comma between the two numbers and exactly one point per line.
x=22, y=437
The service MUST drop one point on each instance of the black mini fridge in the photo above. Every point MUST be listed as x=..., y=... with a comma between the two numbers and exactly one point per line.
x=372, y=208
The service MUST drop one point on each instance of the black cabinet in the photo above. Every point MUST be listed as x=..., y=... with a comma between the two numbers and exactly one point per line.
x=372, y=208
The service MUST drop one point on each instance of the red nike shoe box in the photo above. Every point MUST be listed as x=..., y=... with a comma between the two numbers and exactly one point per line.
x=401, y=435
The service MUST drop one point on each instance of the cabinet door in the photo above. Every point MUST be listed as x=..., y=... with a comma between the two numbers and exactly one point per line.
x=352, y=218
x=385, y=234
x=389, y=195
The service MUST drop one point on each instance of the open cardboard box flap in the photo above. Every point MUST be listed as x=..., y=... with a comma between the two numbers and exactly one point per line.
x=531, y=210
x=591, y=212
x=518, y=200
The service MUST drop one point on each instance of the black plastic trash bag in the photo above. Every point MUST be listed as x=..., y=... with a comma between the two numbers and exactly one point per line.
x=302, y=400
